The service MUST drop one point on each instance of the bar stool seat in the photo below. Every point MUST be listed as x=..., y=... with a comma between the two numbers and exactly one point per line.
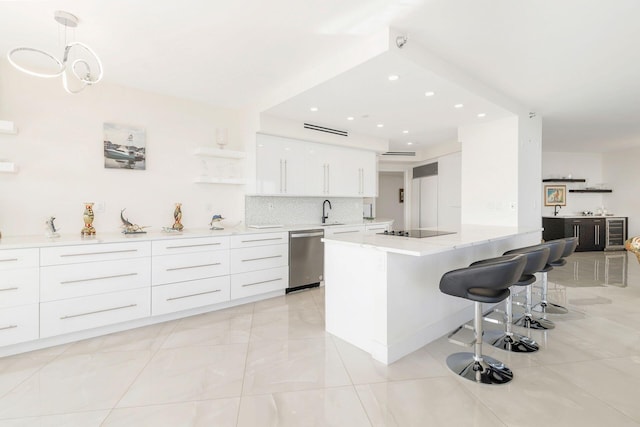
x=486, y=282
x=544, y=306
x=508, y=340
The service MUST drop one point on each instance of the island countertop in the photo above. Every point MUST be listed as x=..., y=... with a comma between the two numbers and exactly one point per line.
x=466, y=235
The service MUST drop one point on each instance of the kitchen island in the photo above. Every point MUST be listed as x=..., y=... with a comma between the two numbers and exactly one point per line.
x=382, y=292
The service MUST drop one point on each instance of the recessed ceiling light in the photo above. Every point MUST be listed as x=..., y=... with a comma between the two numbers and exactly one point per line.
x=409, y=143
x=482, y=115
x=380, y=125
x=349, y=118
x=313, y=108
x=429, y=93
x=405, y=131
x=393, y=77
x=458, y=106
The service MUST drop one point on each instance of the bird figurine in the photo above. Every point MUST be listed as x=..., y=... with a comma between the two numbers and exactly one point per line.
x=177, y=216
x=88, y=229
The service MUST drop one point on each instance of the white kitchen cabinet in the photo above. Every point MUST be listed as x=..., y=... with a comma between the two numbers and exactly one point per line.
x=336, y=230
x=259, y=282
x=190, y=294
x=18, y=287
x=280, y=166
x=18, y=258
x=261, y=239
x=75, y=254
x=188, y=245
x=377, y=228
x=302, y=168
x=259, y=258
x=76, y=314
x=183, y=267
x=19, y=324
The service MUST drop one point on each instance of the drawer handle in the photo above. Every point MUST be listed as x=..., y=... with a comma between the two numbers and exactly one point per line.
x=193, y=295
x=9, y=289
x=264, y=281
x=8, y=327
x=71, y=316
x=8, y=260
x=261, y=240
x=194, y=246
x=100, y=253
x=67, y=282
x=264, y=257
x=345, y=232
x=193, y=266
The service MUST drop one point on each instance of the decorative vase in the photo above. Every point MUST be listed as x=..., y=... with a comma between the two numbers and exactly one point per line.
x=177, y=216
x=88, y=229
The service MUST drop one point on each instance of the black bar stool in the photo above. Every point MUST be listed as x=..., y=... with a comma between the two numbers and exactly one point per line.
x=537, y=257
x=544, y=306
x=556, y=247
x=486, y=282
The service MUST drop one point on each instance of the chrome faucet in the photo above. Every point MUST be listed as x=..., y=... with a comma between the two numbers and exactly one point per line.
x=556, y=209
x=325, y=215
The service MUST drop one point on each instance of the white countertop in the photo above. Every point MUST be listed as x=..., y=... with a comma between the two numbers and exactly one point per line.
x=18, y=242
x=467, y=235
x=584, y=216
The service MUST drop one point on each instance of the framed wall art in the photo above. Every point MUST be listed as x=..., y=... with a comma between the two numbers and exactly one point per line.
x=555, y=195
x=124, y=147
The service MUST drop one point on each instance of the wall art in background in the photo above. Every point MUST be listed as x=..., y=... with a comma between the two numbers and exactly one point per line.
x=555, y=195
x=124, y=147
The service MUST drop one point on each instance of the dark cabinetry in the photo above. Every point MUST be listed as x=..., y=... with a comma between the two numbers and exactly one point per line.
x=591, y=232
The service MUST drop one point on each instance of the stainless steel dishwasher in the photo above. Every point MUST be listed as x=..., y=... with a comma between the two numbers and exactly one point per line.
x=306, y=259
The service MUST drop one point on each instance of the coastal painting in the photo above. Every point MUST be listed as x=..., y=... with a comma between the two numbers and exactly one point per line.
x=555, y=195
x=124, y=147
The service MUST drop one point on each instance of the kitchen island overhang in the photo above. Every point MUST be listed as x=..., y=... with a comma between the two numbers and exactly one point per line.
x=382, y=292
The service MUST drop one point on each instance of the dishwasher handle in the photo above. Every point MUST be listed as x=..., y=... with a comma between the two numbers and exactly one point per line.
x=312, y=234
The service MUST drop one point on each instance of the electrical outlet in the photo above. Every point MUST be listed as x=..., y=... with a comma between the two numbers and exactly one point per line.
x=99, y=207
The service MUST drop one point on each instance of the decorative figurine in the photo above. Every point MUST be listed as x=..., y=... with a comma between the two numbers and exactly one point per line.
x=130, y=228
x=88, y=229
x=216, y=218
x=51, y=230
x=177, y=216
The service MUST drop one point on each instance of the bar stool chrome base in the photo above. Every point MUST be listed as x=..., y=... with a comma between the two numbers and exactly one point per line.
x=515, y=342
x=534, y=323
x=550, y=308
x=487, y=370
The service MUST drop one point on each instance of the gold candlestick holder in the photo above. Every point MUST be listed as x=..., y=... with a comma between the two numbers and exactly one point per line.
x=88, y=229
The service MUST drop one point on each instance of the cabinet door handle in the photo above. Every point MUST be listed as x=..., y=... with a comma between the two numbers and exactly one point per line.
x=285, y=176
x=260, y=240
x=193, y=295
x=9, y=289
x=193, y=246
x=4, y=328
x=264, y=281
x=328, y=178
x=90, y=279
x=9, y=260
x=264, y=257
x=71, y=316
x=99, y=253
x=345, y=232
x=280, y=175
x=192, y=266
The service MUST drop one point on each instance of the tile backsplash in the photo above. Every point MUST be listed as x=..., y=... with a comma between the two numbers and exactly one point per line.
x=262, y=210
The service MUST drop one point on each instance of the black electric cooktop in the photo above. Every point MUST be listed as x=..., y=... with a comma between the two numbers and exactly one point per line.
x=418, y=234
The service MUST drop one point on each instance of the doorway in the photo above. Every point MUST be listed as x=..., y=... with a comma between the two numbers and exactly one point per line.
x=391, y=194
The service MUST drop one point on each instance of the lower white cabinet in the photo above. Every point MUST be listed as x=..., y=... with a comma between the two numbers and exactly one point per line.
x=18, y=287
x=259, y=282
x=19, y=324
x=259, y=258
x=190, y=294
x=76, y=314
x=376, y=228
x=199, y=265
x=343, y=230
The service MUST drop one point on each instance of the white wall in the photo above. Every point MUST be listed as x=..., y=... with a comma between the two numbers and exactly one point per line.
x=529, y=170
x=59, y=150
x=620, y=171
x=490, y=172
x=388, y=203
x=579, y=165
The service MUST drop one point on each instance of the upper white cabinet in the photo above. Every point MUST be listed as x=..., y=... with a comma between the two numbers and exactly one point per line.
x=300, y=168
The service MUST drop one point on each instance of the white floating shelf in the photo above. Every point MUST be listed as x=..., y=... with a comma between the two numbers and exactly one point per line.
x=209, y=180
x=8, y=167
x=8, y=127
x=216, y=152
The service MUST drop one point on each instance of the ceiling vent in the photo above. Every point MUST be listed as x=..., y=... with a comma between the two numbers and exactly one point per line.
x=325, y=129
x=399, y=153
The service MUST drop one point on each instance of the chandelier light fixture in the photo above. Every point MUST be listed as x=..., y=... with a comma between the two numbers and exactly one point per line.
x=79, y=67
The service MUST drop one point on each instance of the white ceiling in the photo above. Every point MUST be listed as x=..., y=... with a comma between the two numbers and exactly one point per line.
x=574, y=62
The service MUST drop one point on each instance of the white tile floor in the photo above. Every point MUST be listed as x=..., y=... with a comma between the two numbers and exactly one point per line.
x=271, y=364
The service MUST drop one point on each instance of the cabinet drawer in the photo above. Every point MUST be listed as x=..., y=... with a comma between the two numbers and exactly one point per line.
x=18, y=324
x=93, y=252
x=259, y=282
x=92, y=278
x=261, y=239
x=259, y=258
x=340, y=231
x=377, y=228
x=190, y=245
x=186, y=295
x=18, y=287
x=18, y=258
x=179, y=268
x=76, y=314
